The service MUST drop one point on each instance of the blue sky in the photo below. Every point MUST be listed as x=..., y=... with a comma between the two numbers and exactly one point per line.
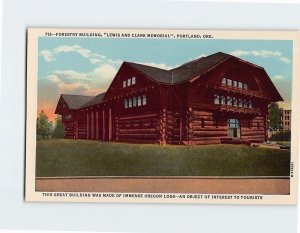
x=87, y=65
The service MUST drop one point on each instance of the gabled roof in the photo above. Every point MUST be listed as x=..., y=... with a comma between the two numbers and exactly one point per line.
x=184, y=72
x=159, y=75
x=96, y=100
x=197, y=67
x=76, y=101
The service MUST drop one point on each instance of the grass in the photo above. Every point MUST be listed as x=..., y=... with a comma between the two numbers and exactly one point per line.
x=284, y=143
x=89, y=158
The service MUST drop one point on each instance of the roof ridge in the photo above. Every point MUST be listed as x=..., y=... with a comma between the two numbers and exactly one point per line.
x=135, y=63
x=187, y=63
x=79, y=95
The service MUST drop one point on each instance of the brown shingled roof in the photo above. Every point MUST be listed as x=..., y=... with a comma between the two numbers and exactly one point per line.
x=96, y=100
x=197, y=67
x=184, y=72
x=76, y=101
x=159, y=75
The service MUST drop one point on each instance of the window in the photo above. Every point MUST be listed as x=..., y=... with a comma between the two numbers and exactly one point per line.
x=139, y=101
x=233, y=123
x=68, y=117
x=229, y=82
x=134, y=101
x=124, y=84
x=250, y=104
x=229, y=100
x=224, y=81
x=129, y=103
x=240, y=85
x=144, y=99
x=245, y=86
x=245, y=104
x=133, y=80
x=217, y=99
x=241, y=103
x=125, y=103
x=235, y=101
x=223, y=100
x=235, y=84
x=234, y=128
x=129, y=82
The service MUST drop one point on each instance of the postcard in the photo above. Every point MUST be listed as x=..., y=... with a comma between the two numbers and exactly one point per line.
x=162, y=116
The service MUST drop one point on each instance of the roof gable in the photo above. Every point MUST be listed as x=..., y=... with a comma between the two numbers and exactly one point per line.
x=157, y=74
x=197, y=67
x=184, y=72
x=76, y=101
x=96, y=100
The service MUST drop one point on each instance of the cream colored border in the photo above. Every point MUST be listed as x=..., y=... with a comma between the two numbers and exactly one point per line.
x=32, y=74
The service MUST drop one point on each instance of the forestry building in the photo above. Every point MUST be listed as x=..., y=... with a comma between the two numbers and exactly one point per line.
x=215, y=99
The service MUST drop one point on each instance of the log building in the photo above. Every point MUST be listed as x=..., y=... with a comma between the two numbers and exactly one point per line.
x=215, y=99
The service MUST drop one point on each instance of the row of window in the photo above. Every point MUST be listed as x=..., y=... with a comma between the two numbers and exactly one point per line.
x=234, y=83
x=68, y=117
x=232, y=101
x=135, y=101
x=129, y=82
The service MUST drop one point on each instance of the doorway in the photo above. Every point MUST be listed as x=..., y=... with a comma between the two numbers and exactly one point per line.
x=234, y=130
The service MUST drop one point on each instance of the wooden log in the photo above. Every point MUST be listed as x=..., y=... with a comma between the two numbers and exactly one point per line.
x=253, y=137
x=140, y=130
x=138, y=136
x=209, y=133
x=210, y=128
x=147, y=116
x=251, y=133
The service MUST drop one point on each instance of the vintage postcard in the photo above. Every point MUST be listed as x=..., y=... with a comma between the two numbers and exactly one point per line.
x=162, y=116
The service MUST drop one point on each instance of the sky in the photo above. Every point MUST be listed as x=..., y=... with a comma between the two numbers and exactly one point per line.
x=86, y=66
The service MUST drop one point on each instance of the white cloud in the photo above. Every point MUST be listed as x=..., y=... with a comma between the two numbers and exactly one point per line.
x=47, y=55
x=261, y=53
x=278, y=77
x=285, y=60
x=83, y=83
x=157, y=65
x=94, y=58
x=240, y=53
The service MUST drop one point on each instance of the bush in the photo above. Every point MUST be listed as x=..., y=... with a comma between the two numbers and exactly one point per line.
x=281, y=136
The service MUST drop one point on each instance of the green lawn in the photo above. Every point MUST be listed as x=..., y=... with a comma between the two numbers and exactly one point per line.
x=89, y=158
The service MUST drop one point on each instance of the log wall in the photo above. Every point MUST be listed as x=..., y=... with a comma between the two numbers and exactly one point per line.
x=140, y=128
x=254, y=130
x=204, y=129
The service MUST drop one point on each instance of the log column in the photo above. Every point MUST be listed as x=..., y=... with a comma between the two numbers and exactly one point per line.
x=189, y=126
x=87, y=126
x=110, y=126
x=117, y=128
x=92, y=125
x=162, y=126
x=103, y=125
x=76, y=129
x=266, y=127
x=97, y=125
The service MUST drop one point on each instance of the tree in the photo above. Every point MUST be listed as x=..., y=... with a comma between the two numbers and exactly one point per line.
x=59, y=130
x=274, y=116
x=43, y=126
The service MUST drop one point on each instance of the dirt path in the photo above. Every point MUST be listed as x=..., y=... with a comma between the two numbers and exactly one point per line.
x=215, y=185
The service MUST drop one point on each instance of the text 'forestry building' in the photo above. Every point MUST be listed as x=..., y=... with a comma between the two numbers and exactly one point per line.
x=215, y=99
